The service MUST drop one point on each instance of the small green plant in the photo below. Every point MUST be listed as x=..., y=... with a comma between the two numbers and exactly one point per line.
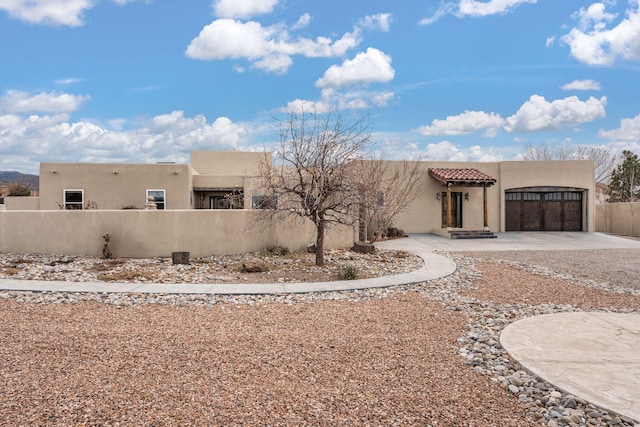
x=348, y=272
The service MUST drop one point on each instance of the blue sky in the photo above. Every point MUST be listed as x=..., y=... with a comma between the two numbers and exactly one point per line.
x=147, y=81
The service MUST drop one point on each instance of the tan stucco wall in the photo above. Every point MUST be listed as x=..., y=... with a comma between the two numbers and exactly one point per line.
x=21, y=203
x=227, y=163
x=618, y=218
x=110, y=190
x=139, y=233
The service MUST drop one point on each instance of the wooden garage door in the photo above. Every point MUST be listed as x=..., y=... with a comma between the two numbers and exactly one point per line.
x=543, y=211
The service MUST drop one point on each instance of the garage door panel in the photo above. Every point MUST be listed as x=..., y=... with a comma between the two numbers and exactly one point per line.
x=573, y=215
x=513, y=215
x=531, y=217
x=543, y=211
x=552, y=213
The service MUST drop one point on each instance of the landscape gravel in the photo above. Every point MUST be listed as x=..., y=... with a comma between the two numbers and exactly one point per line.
x=424, y=354
x=293, y=267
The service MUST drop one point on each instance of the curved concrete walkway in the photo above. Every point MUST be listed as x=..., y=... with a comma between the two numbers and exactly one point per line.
x=435, y=266
x=593, y=355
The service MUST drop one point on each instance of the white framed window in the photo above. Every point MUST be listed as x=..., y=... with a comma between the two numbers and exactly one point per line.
x=73, y=199
x=159, y=197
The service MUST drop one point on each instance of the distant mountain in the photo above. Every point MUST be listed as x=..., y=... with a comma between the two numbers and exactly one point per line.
x=13, y=176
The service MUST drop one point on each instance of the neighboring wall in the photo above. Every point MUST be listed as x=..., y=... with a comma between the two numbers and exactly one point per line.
x=140, y=233
x=21, y=203
x=618, y=218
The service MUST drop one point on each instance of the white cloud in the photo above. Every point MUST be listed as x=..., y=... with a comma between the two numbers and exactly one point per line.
x=343, y=100
x=68, y=81
x=537, y=114
x=628, y=132
x=44, y=102
x=474, y=8
x=380, y=22
x=300, y=105
x=52, y=12
x=594, y=43
x=302, y=22
x=243, y=8
x=447, y=151
x=582, y=85
x=49, y=12
x=169, y=137
x=228, y=38
x=367, y=67
x=467, y=122
x=550, y=41
x=271, y=48
x=268, y=48
x=492, y=7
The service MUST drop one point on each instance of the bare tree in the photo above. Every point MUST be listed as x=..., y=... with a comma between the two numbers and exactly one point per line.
x=603, y=158
x=20, y=187
x=311, y=175
x=386, y=190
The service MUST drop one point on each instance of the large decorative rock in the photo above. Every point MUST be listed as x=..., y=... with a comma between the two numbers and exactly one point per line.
x=254, y=265
x=180, y=257
x=364, y=248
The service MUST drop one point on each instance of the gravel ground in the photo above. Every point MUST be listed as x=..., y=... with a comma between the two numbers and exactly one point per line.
x=293, y=267
x=616, y=266
x=426, y=354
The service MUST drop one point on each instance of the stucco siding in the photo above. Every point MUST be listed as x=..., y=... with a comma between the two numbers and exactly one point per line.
x=114, y=185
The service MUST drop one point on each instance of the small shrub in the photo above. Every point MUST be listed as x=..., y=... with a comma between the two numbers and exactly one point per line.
x=276, y=250
x=348, y=272
x=402, y=254
x=10, y=271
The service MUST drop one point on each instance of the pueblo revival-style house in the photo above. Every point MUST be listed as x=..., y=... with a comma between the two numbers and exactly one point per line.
x=207, y=206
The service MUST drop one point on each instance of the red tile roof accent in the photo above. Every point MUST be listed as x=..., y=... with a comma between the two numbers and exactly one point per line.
x=468, y=176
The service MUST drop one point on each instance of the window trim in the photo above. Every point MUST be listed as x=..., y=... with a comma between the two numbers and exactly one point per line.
x=164, y=198
x=66, y=204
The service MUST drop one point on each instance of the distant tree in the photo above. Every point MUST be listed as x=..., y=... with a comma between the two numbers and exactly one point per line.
x=625, y=179
x=312, y=174
x=19, y=188
x=603, y=158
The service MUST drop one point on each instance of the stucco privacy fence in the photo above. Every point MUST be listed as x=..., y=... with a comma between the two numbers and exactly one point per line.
x=145, y=233
x=618, y=218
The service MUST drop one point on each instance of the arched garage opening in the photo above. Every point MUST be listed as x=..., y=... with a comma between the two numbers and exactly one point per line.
x=544, y=209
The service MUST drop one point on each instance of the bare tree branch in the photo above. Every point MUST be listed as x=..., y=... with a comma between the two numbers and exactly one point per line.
x=603, y=158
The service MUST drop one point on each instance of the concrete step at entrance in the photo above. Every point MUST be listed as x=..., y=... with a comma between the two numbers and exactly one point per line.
x=471, y=234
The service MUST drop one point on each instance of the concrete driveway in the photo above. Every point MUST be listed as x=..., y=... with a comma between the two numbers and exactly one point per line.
x=529, y=241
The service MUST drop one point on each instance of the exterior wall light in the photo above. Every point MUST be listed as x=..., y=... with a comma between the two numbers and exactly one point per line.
x=438, y=195
x=115, y=172
x=466, y=196
x=54, y=171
